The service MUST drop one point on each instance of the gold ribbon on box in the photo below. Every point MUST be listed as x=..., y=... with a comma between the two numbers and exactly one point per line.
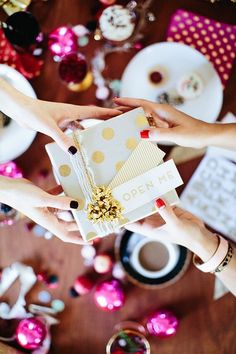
x=142, y=178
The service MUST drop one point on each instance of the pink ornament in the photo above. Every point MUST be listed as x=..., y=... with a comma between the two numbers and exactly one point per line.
x=162, y=323
x=62, y=41
x=109, y=295
x=107, y=2
x=10, y=169
x=138, y=46
x=83, y=285
x=73, y=68
x=102, y=263
x=30, y=333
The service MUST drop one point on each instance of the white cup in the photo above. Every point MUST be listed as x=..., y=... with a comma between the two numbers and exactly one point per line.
x=167, y=252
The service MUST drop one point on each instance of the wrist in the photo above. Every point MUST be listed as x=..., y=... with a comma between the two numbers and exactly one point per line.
x=204, y=244
x=210, y=134
x=13, y=102
x=215, y=133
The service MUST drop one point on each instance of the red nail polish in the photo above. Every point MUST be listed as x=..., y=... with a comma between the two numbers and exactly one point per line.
x=160, y=203
x=144, y=134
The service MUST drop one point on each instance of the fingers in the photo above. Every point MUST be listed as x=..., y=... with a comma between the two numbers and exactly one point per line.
x=130, y=102
x=166, y=213
x=73, y=112
x=57, y=202
x=159, y=134
x=65, y=142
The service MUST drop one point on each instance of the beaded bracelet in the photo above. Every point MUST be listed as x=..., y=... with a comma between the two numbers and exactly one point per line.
x=225, y=261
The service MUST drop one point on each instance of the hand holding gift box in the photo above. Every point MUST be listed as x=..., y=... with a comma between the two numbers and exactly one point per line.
x=115, y=175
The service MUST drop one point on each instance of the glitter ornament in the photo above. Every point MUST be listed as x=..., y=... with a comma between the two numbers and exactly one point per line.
x=107, y=2
x=83, y=41
x=73, y=68
x=109, y=295
x=30, y=333
x=52, y=281
x=88, y=252
x=12, y=6
x=83, y=285
x=58, y=305
x=62, y=41
x=44, y=296
x=84, y=85
x=10, y=169
x=102, y=263
x=22, y=29
x=102, y=93
x=162, y=323
x=73, y=292
x=118, y=271
x=80, y=30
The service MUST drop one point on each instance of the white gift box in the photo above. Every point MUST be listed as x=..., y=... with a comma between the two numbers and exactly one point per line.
x=116, y=157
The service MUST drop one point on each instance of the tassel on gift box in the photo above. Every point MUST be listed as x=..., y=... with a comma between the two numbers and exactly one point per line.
x=115, y=175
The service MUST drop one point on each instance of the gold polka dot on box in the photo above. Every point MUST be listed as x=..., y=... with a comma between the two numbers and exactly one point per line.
x=212, y=38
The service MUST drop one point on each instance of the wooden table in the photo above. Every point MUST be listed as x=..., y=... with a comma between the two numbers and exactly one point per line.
x=206, y=326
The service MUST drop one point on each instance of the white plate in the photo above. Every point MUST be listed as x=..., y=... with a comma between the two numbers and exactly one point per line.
x=15, y=140
x=176, y=59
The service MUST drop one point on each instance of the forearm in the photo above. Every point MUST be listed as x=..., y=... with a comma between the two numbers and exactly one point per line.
x=12, y=102
x=222, y=135
x=5, y=186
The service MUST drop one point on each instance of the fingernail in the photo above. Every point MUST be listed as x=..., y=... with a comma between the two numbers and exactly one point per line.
x=160, y=203
x=144, y=134
x=72, y=150
x=74, y=204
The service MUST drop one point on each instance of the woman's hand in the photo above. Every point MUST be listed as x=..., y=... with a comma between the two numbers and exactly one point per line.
x=185, y=229
x=172, y=125
x=47, y=117
x=43, y=208
x=180, y=226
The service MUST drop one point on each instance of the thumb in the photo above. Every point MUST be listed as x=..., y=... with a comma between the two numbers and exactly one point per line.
x=60, y=202
x=167, y=213
x=159, y=134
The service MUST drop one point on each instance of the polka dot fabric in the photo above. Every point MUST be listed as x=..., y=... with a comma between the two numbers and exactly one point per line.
x=216, y=40
x=25, y=63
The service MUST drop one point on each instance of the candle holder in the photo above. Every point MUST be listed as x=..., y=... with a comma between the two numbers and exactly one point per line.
x=129, y=337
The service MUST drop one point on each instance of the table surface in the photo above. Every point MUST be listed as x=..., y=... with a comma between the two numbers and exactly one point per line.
x=206, y=326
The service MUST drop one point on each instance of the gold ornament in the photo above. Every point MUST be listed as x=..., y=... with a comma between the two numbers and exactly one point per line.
x=104, y=207
x=12, y=6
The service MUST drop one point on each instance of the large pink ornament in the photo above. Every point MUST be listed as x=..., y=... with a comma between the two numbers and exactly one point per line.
x=109, y=295
x=73, y=68
x=162, y=323
x=10, y=169
x=30, y=333
x=62, y=41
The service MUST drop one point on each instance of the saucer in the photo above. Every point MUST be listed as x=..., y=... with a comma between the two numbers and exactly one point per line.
x=14, y=139
x=176, y=60
x=124, y=246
